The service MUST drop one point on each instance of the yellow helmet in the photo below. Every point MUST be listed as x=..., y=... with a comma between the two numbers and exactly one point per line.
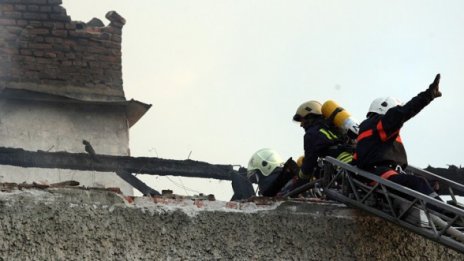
x=309, y=107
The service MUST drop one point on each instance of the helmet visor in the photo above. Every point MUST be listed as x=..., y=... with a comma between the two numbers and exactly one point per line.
x=297, y=117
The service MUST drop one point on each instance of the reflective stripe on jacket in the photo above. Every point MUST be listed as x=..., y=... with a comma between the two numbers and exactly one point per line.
x=320, y=141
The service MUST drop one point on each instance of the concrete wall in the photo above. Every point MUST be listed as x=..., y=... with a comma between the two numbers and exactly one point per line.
x=75, y=224
x=35, y=125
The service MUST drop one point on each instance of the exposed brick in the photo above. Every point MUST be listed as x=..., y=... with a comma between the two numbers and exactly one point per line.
x=35, y=16
x=20, y=7
x=38, y=39
x=7, y=7
x=22, y=23
x=40, y=31
x=25, y=52
x=38, y=53
x=4, y=21
x=33, y=8
x=54, y=40
x=39, y=2
x=55, y=2
x=40, y=46
x=66, y=63
x=14, y=29
x=46, y=9
x=114, y=17
x=58, y=10
x=105, y=36
x=59, y=17
x=36, y=23
x=58, y=25
x=116, y=38
x=47, y=47
x=62, y=33
x=71, y=56
x=70, y=26
x=11, y=14
x=50, y=25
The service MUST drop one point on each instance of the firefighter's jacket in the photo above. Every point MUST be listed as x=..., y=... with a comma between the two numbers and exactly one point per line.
x=320, y=141
x=269, y=185
x=379, y=142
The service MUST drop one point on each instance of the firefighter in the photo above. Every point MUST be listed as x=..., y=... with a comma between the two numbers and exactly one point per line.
x=273, y=176
x=321, y=139
x=379, y=148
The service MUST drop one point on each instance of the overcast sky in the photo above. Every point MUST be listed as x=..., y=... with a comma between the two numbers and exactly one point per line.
x=226, y=77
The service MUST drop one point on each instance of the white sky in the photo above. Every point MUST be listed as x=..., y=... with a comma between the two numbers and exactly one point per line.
x=226, y=77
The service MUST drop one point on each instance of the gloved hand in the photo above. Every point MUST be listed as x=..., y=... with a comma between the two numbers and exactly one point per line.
x=433, y=89
x=291, y=167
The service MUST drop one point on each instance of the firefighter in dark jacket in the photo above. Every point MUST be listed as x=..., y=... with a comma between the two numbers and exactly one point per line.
x=273, y=176
x=320, y=139
x=379, y=148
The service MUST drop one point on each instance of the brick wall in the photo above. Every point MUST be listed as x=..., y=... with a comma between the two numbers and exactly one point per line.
x=42, y=49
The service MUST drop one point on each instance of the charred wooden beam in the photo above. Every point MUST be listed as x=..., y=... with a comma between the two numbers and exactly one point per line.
x=109, y=163
x=137, y=183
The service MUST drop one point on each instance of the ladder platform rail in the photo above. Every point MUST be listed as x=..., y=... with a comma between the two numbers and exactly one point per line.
x=395, y=186
x=407, y=208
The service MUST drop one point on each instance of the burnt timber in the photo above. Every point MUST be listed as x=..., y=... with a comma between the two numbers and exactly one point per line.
x=149, y=165
x=109, y=163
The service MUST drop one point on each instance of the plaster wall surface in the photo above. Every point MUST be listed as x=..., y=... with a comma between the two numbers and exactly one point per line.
x=77, y=224
x=35, y=125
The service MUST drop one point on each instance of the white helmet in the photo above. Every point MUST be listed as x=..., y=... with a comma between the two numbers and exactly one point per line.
x=383, y=104
x=309, y=107
x=264, y=160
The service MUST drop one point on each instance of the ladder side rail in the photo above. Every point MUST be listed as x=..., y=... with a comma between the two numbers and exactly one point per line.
x=369, y=191
x=416, y=203
x=447, y=182
x=430, y=175
x=396, y=186
x=388, y=195
x=421, y=198
x=378, y=189
x=375, y=190
x=432, y=234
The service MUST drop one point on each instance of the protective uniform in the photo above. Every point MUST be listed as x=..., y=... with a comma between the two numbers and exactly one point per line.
x=320, y=140
x=379, y=146
x=267, y=168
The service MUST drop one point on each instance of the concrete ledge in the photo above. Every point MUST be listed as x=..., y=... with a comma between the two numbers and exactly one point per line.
x=79, y=224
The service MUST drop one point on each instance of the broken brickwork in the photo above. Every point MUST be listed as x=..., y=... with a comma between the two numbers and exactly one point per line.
x=42, y=49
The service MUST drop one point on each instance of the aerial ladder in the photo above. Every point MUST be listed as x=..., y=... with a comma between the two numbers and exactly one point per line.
x=417, y=212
